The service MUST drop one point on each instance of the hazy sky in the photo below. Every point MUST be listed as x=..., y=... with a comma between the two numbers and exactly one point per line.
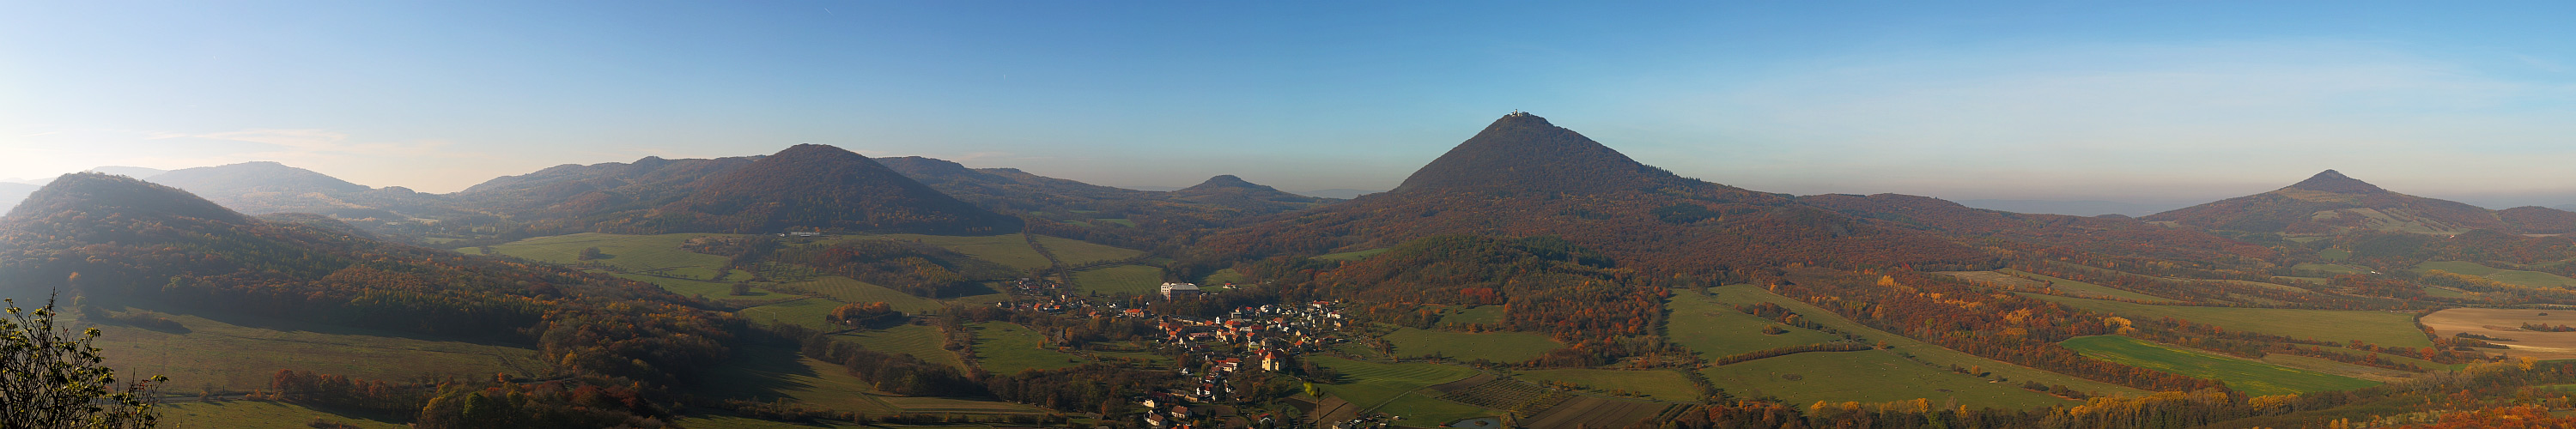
x=2056, y=100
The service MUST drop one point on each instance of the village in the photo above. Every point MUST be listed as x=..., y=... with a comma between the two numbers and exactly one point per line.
x=1213, y=351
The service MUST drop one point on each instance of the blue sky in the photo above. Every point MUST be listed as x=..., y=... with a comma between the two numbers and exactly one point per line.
x=2059, y=100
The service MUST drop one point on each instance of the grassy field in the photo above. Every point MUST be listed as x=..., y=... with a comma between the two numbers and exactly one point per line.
x=725, y=420
x=1223, y=276
x=2519, y=277
x=1007, y=249
x=1008, y=348
x=921, y=341
x=2376, y=327
x=1369, y=384
x=1130, y=279
x=1658, y=384
x=1418, y=409
x=2081, y=288
x=241, y=354
x=808, y=312
x=1868, y=376
x=1699, y=322
x=2252, y=377
x=1498, y=347
x=1486, y=314
x=771, y=373
x=849, y=290
x=1077, y=252
x=633, y=253
x=1353, y=256
x=263, y=414
x=1746, y=294
x=2312, y=267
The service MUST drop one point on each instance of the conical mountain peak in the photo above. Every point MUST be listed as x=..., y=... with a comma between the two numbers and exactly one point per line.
x=2332, y=181
x=98, y=194
x=1522, y=151
x=1226, y=181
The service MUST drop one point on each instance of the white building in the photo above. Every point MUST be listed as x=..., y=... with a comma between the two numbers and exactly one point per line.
x=1178, y=290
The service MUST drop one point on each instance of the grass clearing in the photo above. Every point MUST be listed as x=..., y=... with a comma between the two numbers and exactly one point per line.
x=1747, y=294
x=1497, y=347
x=1008, y=348
x=1716, y=330
x=632, y=253
x=2252, y=377
x=1368, y=384
x=1354, y=255
x=921, y=341
x=1658, y=384
x=1868, y=376
x=1128, y=279
x=1224, y=276
x=266, y=414
x=2330, y=269
x=846, y=289
x=1485, y=314
x=808, y=312
x=2376, y=327
x=1076, y=252
x=242, y=353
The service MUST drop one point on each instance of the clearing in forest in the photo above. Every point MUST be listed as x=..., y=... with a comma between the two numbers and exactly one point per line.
x=1717, y=330
x=1869, y=376
x=242, y=353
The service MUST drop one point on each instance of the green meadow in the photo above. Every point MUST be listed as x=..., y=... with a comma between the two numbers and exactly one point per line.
x=2252, y=377
x=1008, y=348
x=2377, y=327
x=1497, y=347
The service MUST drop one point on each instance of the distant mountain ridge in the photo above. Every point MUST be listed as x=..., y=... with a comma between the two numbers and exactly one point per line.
x=2330, y=202
x=811, y=186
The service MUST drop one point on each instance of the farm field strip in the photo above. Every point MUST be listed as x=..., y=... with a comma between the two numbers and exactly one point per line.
x=1663, y=385
x=1869, y=376
x=1747, y=294
x=2390, y=329
x=1008, y=249
x=2080, y=287
x=2517, y=277
x=2252, y=377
